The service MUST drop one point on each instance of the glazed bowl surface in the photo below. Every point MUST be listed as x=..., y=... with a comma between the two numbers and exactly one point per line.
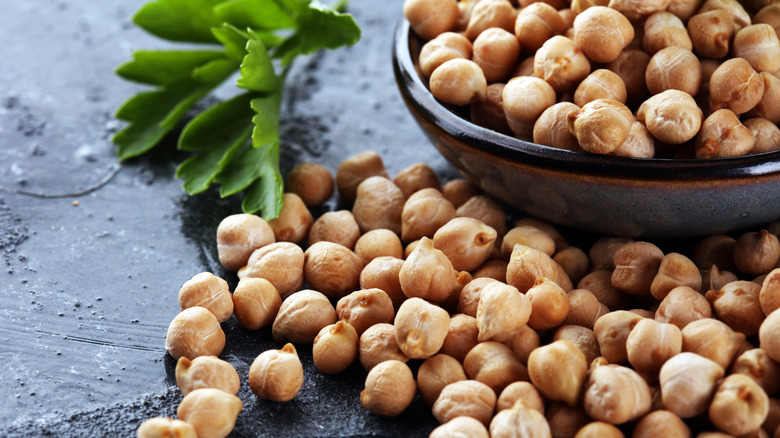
x=632, y=197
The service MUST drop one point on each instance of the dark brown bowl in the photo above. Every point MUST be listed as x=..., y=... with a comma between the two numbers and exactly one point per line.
x=639, y=198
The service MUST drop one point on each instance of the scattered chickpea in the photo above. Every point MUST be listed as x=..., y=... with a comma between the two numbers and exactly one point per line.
x=739, y=405
x=256, y=303
x=211, y=412
x=636, y=266
x=416, y=177
x=535, y=24
x=769, y=295
x=715, y=250
x=469, y=398
x=525, y=98
x=759, y=45
x=551, y=128
x=736, y=86
x=650, y=343
x=582, y=337
x=458, y=82
x=558, y=371
x=427, y=273
x=616, y=394
x=312, y=182
x=711, y=338
x=600, y=84
x=662, y=30
x=495, y=269
x=352, y=171
x=378, y=344
x=574, y=262
x=382, y=273
x=768, y=335
x=602, y=33
x=630, y=65
x=161, y=427
x=467, y=426
x=446, y=46
x=549, y=304
x=612, y=331
x=420, y=328
x=429, y=18
x=423, y=213
x=337, y=227
x=459, y=190
x=661, y=423
x=584, y=308
x=332, y=269
x=520, y=392
x=294, y=220
x=194, y=332
x=491, y=13
x=682, y=306
x=766, y=133
x=565, y=420
x=435, y=373
x=376, y=243
x=487, y=210
x=461, y=336
x=524, y=343
x=301, y=317
x=734, y=8
x=467, y=242
x=599, y=282
x=684, y=9
x=756, y=253
x=688, y=382
x=723, y=135
x=335, y=347
x=711, y=33
x=737, y=304
x=495, y=365
x=496, y=52
x=599, y=429
x=519, y=420
x=714, y=278
x=378, y=204
x=675, y=270
x=757, y=364
x=208, y=291
x=502, y=311
x=638, y=144
x=280, y=263
x=527, y=265
x=364, y=308
x=674, y=68
x=672, y=116
x=238, y=235
x=561, y=63
x=601, y=125
x=206, y=372
x=390, y=388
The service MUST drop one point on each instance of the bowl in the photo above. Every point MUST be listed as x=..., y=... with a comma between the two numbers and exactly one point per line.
x=631, y=197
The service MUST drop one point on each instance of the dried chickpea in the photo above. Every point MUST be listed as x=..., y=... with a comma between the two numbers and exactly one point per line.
x=769, y=14
x=650, y=343
x=630, y=66
x=672, y=116
x=208, y=291
x=487, y=210
x=469, y=398
x=495, y=365
x=527, y=235
x=364, y=308
x=612, y=331
x=427, y=273
x=525, y=98
x=768, y=335
x=565, y=420
x=636, y=266
x=662, y=30
x=302, y=315
x=723, y=135
x=423, y=213
x=715, y=250
x=256, y=303
x=682, y=306
x=416, y=177
x=502, y=311
x=599, y=282
x=711, y=33
x=378, y=344
x=661, y=423
x=688, y=382
x=536, y=23
x=461, y=336
x=435, y=373
x=734, y=8
x=162, y=427
x=238, y=235
x=194, y=332
x=312, y=182
x=601, y=125
x=737, y=305
x=582, y=337
x=602, y=33
x=281, y=263
x=495, y=269
x=382, y=273
x=496, y=52
x=354, y=170
x=638, y=144
x=736, y=86
x=378, y=204
x=335, y=347
x=294, y=220
x=712, y=339
x=489, y=113
x=756, y=253
x=420, y=328
x=332, y=269
x=574, y=262
x=602, y=252
x=551, y=129
x=616, y=394
x=549, y=304
x=276, y=375
x=756, y=364
x=491, y=13
x=458, y=82
x=467, y=242
x=446, y=46
x=766, y=133
x=206, y=372
x=675, y=270
x=527, y=264
x=599, y=429
x=459, y=190
x=380, y=242
x=465, y=426
x=758, y=44
x=561, y=63
x=584, y=308
x=600, y=84
x=674, y=68
x=577, y=6
x=714, y=278
x=739, y=405
x=520, y=392
x=519, y=421
x=684, y=9
x=429, y=18
x=211, y=412
x=390, y=388
x=769, y=295
x=524, y=343
x=558, y=371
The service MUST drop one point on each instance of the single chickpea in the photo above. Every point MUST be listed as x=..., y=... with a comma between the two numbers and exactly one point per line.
x=567, y=15
x=766, y=133
x=549, y=304
x=256, y=303
x=577, y=6
x=769, y=14
x=602, y=252
x=524, y=343
x=364, y=308
x=467, y=242
x=488, y=14
x=390, y=388
x=460, y=190
x=715, y=250
x=211, y=412
x=734, y=8
x=558, y=371
x=584, y=308
x=495, y=365
x=378, y=204
x=420, y=328
x=435, y=373
x=756, y=364
x=525, y=67
x=682, y=306
x=461, y=336
x=335, y=347
x=601, y=125
x=616, y=394
x=158, y=427
x=759, y=45
x=520, y=392
x=714, y=278
x=739, y=405
x=525, y=98
x=470, y=398
x=487, y=210
x=276, y=375
x=429, y=18
x=332, y=269
x=661, y=423
x=612, y=331
x=208, y=291
x=380, y=242
x=550, y=129
x=638, y=11
x=600, y=84
x=510, y=422
x=650, y=343
x=756, y=253
x=561, y=63
x=527, y=264
x=302, y=315
x=566, y=420
x=206, y=372
x=768, y=335
x=674, y=68
x=769, y=295
x=496, y=52
x=527, y=235
x=281, y=263
x=713, y=339
x=312, y=182
x=688, y=382
x=711, y=33
x=238, y=235
x=194, y=332
x=467, y=426
x=427, y=273
x=582, y=337
x=672, y=116
x=423, y=213
x=636, y=266
x=723, y=135
x=416, y=177
x=382, y=273
x=495, y=269
x=599, y=282
x=294, y=220
x=662, y=30
x=536, y=23
x=354, y=170
x=337, y=227
x=684, y=9
x=446, y=46
x=737, y=304
x=638, y=144
x=772, y=421
x=599, y=429
x=458, y=82
x=574, y=262
x=602, y=33
x=630, y=66
x=378, y=344
x=546, y=227
x=502, y=311
x=736, y=86
x=675, y=270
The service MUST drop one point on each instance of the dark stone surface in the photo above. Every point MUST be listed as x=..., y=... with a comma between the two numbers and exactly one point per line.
x=93, y=254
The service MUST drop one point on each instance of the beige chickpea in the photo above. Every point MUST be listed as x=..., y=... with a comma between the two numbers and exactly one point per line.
x=638, y=11
x=684, y=9
x=688, y=382
x=756, y=253
x=467, y=242
x=661, y=423
x=208, y=291
x=736, y=86
x=536, y=23
x=551, y=129
x=335, y=347
x=549, y=304
x=501, y=312
x=466, y=426
x=616, y=394
x=382, y=273
x=420, y=328
x=378, y=204
x=423, y=213
x=757, y=364
x=711, y=33
x=238, y=235
x=211, y=412
x=487, y=210
x=302, y=315
x=674, y=68
x=769, y=295
x=565, y=420
x=662, y=30
x=547, y=228
x=313, y=182
x=281, y=263
x=525, y=98
x=524, y=343
x=758, y=44
x=389, y=390
x=577, y=6
x=675, y=270
x=364, y=308
x=461, y=336
x=682, y=306
x=496, y=52
x=527, y=265
x=337, y=227
x=600, y=84
x=574, y=262
x=488, y=14
x=769, y=14
x=459, y=190
x=636, y=266
x=255, y=303
x=602, y=252
x=734, y=8
x=672, y=116
x=737, y=304
x=638, y=144
x=599, y=429
x=380, y=242
x=630, y=66
x=446, y=46
x=602, y=33
x=495, y=365
x=711, y=338
x=276, y=375
x=558, y=371
x=378, y=344
x=561, y=63
x=458, y=82
x=601, y=125
x=489, y=113
x=352, y=171
x=416, y=177
x=650, y=343
x=194, y=332
x=773, y=417
x=427, y=273
x=435, y=373
x=161, y=427
x=469, y=398
x=766, y=134
x=717, y=250
x=714, y=278
x=332, y=269
x=612, y=331
x=495, y=269
x=527, y=235
x=723, y=135
x=294, y=220
x=739, y=405
x=599, y=282
x=206, y=372
x=768, y=335
x=584, y=308
x=582, y=337
x=519, y=421
x=520, y=392
x=429, y=18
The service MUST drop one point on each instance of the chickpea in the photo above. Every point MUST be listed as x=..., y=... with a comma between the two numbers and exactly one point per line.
x=769, y=295
x=423, y=213
x=712, y=339
x=768, y=335
x=734, y=8
x=577, y=6
x=600, y=284
x=469, y=398
x=276, y=375
x=630, y=65
x=467, y=242
x=599, y=429
x=378, y=204
x=460, y=190
x=495, y=365
x=612, y=331
x=489, y=113
x=461, y=336
x=211, y=412
x=435, y=373
x=312, y=182
x=769, y=14
x=376, y=243
x=427, y=273
x=208, y=291
x=519, y=421
x=574, y=262
x=536, y=23
x=558, y=371
x=302, y=316
x=616, y=394
x=566, y=420
x=502, y=311
x=194, y=332
x=756, y=253
x=584, y=308
x=525, y=98
x=280, y=263
x=675, y=270
x=550, y=129
x=354, y=170
x=378, y=344
x=739, y=405
x=601, y=126
x=711, y=33
x=416, y=177
x=636, y=266
x=332, y=269
x=337, y=227
x=651, y=343
x=420, y=328
x=458, y=82
x=600, y=84
x=238, y=235
x=766, y=134
x=602, y=252
x=661, y=423
x=429, y=18
x=527, y=265
x=722, y=135
x=674, y=68
x=524, y=343
x=549, y=304
x=496, y=52
x=663, y=30
x=487, y=210
x=638, y=144
x=495, y=269
x=736, y=86
x=715, y=278
x=491, y=13
x=684, y=9
x=715, y=250
x=390, y=388
x=520, y=392
x=256, y=303
x=382, y=273
x=688, y=382
x=759, y=45
x=446, y=46
x=294, y=220
x=364, y=308
x=602, y=33
x=158, y=427
x=737, y=304
x=682, y=306
x=527, y=235
x=561, y=63
x=756, y=364
x=335, y=347
x=467, y=426
x=672, y=116
x=206, y=372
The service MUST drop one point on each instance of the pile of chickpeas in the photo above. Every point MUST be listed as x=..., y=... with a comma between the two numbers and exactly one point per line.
x=645, y=79
x=509, y=330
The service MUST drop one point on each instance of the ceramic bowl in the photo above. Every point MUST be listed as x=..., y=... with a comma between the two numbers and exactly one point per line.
x=638, y=198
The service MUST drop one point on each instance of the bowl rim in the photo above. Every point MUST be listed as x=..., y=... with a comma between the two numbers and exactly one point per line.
x=421, y=101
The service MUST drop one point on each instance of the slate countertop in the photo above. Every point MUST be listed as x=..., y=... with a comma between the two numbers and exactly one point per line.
x=94, y=253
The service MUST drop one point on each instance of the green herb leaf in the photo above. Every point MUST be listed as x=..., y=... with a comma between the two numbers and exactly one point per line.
x=162, y=67
x=179, y=20
x=319, y=26
x=257, y=14
x=266, y=194
x=257, y=70
x=266, y=120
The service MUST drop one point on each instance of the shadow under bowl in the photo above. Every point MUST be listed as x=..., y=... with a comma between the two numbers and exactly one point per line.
x=638, y=198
